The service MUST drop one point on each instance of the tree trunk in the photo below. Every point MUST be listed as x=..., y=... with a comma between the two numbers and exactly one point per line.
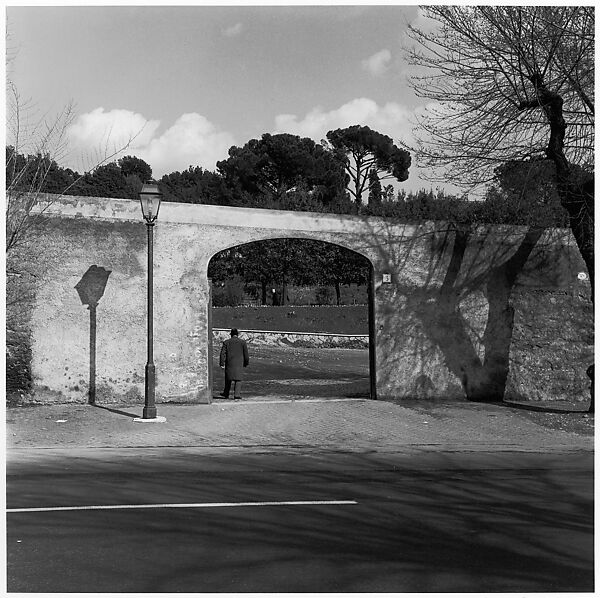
x=357, y=184
x=263, y=288
x=575, y=189
x=338, y=293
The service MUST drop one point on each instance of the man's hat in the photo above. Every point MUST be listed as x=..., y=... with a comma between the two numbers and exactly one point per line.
x=234, y=332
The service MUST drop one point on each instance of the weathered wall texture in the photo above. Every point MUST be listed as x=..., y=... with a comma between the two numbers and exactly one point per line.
x=433, y=336
x=458, y=326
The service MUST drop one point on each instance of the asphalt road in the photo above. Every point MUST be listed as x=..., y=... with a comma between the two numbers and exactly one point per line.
x=411, y=521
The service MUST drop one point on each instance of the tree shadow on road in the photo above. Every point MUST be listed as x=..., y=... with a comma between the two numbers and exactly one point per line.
x=412, y=530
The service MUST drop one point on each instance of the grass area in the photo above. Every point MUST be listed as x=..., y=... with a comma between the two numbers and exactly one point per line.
x=347, y=319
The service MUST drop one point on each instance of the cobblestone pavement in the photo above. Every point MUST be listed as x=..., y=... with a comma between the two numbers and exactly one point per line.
x=280, y=422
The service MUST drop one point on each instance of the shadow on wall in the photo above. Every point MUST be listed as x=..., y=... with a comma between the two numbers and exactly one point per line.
x=462, y=305
x=91, y=289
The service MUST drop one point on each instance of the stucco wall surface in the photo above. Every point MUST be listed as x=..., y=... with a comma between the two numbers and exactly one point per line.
x=444, y=317
x=431, y=322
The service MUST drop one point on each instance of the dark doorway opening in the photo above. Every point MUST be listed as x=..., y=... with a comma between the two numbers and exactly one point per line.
x=305, y=308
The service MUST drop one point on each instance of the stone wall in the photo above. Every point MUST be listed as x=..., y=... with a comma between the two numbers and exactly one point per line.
x=297, y=339
x=551, y=340
x=444, y=321
x=453, y=311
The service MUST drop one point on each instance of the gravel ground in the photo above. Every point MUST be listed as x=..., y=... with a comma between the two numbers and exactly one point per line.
x=280, y=424
x=330, y=373
x=564, y=417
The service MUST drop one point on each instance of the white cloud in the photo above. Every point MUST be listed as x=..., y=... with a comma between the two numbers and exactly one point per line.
x=233, y=30
x=96, y=135
x=191, y=140
x=378, y=64
x=390, y=119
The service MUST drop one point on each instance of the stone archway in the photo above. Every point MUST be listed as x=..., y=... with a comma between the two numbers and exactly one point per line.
x=260, y=338
x=78, y=232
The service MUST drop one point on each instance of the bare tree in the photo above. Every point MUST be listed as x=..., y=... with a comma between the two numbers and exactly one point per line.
x=35, y=147
x=31, y=150
x=510, y=83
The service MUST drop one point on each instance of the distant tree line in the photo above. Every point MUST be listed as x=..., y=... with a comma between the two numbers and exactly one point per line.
x=122, y=178
x=288, y=172
x=257, y=268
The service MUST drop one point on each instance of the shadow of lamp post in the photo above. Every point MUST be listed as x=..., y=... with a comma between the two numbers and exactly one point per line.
x=150, y=197
x=90, y=289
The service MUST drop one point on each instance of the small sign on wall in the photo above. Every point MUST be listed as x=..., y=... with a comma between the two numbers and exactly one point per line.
x=387, y=278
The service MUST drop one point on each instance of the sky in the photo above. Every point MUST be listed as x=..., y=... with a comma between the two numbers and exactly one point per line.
x=188, y=82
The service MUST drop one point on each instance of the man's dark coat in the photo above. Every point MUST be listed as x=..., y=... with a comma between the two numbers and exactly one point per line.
x=234, y=356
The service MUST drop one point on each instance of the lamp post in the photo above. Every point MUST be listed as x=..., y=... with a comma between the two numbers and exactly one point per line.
x=150, y=197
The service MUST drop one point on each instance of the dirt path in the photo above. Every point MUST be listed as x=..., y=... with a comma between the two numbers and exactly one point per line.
x=344, y=373
x=323, y=373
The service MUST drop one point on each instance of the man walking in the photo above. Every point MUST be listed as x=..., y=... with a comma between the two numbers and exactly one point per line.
x=233, y=358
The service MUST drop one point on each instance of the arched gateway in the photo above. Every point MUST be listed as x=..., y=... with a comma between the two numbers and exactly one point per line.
x=430, y=313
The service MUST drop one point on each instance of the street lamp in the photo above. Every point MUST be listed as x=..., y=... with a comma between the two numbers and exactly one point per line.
x=150, y=197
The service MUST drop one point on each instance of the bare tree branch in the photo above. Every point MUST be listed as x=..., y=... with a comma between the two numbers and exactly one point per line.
x=510, y=83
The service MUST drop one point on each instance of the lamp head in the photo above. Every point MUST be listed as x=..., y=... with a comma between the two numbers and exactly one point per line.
x=150, y=197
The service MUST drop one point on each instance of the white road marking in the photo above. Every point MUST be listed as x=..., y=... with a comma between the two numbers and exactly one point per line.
x=199, y=505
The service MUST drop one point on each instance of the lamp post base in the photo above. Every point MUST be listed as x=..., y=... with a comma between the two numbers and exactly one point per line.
x=150, y=420
x=149, y=412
